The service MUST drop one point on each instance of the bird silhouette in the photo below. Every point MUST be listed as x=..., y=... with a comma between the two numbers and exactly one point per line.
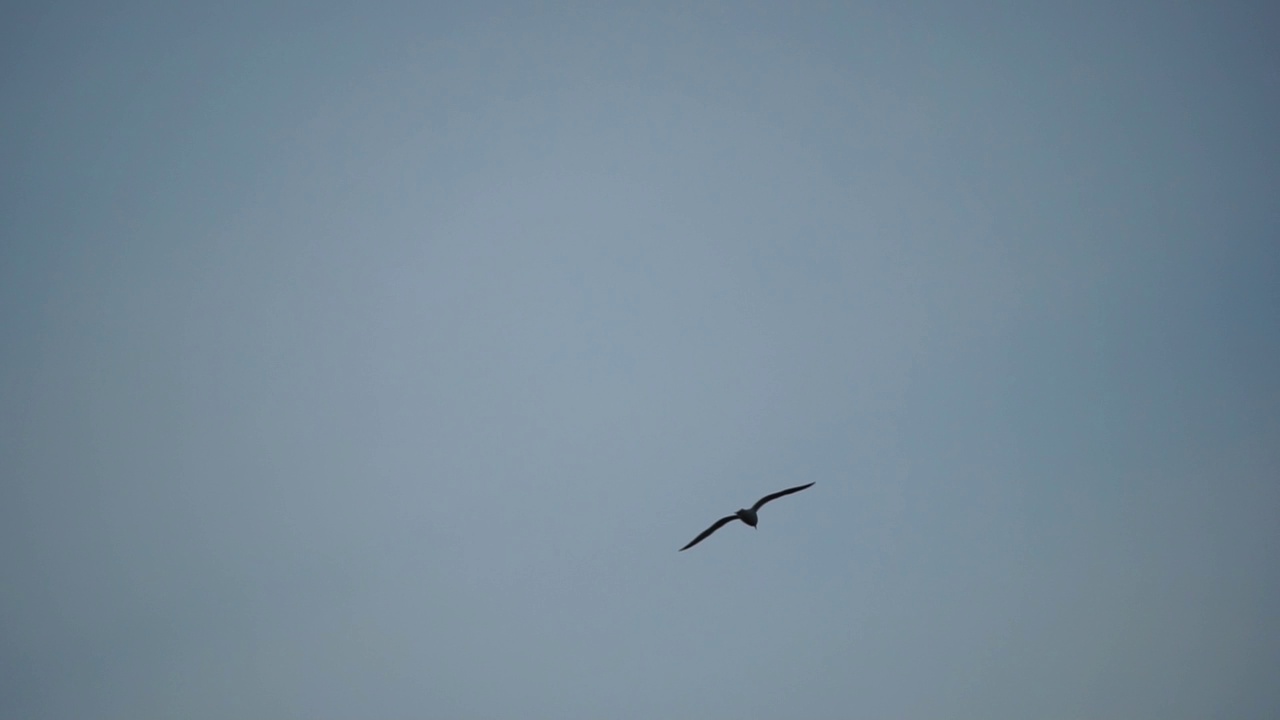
x=749, y=517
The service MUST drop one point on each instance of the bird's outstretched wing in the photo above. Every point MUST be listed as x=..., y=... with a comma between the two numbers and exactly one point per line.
x=760, y=503
x=719, y=524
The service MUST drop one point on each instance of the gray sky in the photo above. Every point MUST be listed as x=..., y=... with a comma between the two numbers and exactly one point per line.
x=375, y=361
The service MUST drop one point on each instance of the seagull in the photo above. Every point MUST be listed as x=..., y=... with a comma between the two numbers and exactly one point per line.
x=747, y=516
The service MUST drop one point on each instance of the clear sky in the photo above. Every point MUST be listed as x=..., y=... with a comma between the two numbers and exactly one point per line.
x=374, y=360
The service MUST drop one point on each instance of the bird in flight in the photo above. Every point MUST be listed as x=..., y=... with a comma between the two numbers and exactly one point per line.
x=747, y=516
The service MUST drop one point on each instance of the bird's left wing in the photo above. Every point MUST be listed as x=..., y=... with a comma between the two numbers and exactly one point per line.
x=719, y=524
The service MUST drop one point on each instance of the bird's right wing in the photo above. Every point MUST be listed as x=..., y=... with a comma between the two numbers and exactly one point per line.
x=719, y=524
x=760, y=503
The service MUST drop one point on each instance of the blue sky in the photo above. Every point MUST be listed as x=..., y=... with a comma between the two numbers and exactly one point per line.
x=374, y=361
